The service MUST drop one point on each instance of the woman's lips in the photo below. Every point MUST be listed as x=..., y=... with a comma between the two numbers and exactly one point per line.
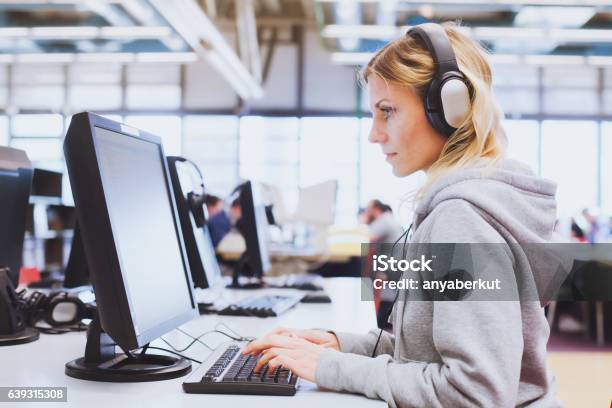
x=389, y=156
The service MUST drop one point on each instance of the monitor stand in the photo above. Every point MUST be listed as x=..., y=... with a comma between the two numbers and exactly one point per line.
x=101, y=363
x=26, y=335
x=13, y=329
x=244, y=268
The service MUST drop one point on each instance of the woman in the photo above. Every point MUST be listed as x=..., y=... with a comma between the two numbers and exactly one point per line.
x=448, y=354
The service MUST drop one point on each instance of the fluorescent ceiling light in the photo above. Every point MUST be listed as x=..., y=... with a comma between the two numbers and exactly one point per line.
x=534, y=16
x=351, y=58
x=135, y=32
x=555, y=59
x=179, y=57
x=481, y=33
x=118, y=57
x=599, y=60
x=59, y=58
x=514, y=33
x=14, y=32
x=362, y=58
x=380, y=32
x=64, y=32
x=112, y=57
x=491, y=2
x=81, y=32
x=504, y=59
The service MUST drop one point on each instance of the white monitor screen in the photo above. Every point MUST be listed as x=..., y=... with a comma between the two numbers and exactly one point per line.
x=144, y=228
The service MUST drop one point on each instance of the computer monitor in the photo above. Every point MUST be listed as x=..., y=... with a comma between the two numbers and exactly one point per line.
x=189, y=194
x=253, y=225
x=76, y=273
x=317, y=204
x=47, y=183
x=15, y=184
x=135, y=251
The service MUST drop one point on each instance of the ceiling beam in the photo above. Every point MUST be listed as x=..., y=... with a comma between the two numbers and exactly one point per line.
x=562, y=35
x=188, y=19
x=489, y=2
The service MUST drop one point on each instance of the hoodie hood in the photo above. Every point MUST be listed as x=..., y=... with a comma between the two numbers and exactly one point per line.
x=508, y=191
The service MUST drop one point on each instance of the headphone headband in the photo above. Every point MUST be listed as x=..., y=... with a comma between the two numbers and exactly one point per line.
x=447, y=99
x=437, y=43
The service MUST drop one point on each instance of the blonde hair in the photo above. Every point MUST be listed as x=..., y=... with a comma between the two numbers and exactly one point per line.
x=407, y=62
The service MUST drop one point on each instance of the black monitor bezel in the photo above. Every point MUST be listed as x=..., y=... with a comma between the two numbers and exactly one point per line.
x=248, y=227
x=81, y=153
x=199, y=273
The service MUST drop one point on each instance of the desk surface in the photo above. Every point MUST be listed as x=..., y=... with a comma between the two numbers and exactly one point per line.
x=42, y=363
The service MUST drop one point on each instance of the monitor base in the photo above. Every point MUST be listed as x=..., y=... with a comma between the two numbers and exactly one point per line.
x=138, y=368
x=250, y=285
x=101, y=363
x=27, y=335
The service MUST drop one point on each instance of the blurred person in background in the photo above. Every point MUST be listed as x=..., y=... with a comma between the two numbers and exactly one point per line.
x=218, y=220
x=381, y=223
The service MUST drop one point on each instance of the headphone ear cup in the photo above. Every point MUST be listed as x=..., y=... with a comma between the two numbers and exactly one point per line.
x=196, y=205
x=454, y=100
x=433, y=109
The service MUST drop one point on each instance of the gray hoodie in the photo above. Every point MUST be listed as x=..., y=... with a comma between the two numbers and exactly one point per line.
x=469, y=353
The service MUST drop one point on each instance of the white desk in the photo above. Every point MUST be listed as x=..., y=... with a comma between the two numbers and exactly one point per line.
x=41, y=363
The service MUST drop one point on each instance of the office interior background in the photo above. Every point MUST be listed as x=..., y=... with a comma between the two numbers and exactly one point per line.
x=130, y=60
x=267, y=90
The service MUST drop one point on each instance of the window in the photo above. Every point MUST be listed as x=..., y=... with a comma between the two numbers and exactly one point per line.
x=269, y=152
x=523, y=142
x=212, y=143
x=166, y=127
x=606, y=168
x=377, y=181
x=153, y=97
x=329, y=149
x=569, y=157
x=37, y=126
x=4, y=135
x=40, y=151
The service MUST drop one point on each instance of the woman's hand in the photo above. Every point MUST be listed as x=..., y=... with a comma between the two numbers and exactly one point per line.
x=320, y=337
x=289, y=351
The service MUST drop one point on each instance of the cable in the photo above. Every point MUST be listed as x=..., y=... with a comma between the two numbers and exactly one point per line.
x=237, y=337
x=175, y=353
x=405, y=236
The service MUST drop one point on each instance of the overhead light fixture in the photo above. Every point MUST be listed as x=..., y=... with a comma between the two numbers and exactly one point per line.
x=86, y=33
x=375, y=32
x=351, y=58
x=97, y=57
x=178, y=57
x=117, y=57
x=13, y=32
x=362, y=58
x=491, y=2
x=59, y=58
x=63, y=32
x=555, y=59
x=134, y=32
x=599, y=60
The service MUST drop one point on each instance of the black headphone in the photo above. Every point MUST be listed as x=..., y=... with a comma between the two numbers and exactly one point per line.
x=195, y=201
x=62, y=311
x=447, y=98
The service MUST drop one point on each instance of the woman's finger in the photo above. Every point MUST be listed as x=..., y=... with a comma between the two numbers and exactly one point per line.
x=266, y=356
x=273, y=340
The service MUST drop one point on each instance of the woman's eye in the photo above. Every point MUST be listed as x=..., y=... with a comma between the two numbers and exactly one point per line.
x=386, y=112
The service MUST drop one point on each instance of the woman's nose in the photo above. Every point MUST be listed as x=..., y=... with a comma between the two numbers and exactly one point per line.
x=376, y=135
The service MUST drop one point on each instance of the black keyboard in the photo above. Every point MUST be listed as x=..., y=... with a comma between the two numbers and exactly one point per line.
x=261, y=306
x=232, y=373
